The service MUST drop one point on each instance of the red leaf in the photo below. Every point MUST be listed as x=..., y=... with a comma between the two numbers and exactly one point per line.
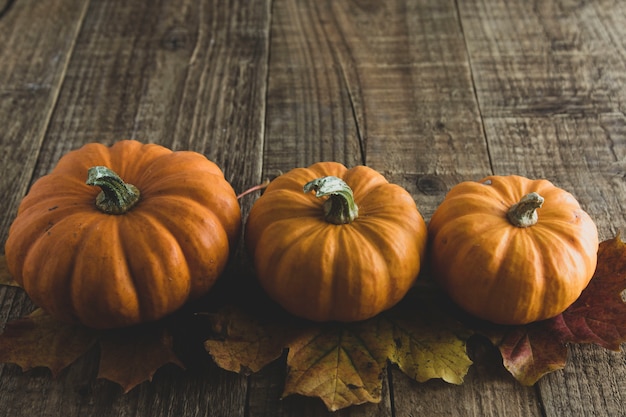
x=599, y=315
x=530, y=352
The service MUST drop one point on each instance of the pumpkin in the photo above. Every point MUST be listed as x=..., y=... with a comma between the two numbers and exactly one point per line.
x=118, y=236
x=512, y=250
x=335, y=244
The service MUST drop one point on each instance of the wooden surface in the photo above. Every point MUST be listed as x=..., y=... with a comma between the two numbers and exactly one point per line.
x=428, y=92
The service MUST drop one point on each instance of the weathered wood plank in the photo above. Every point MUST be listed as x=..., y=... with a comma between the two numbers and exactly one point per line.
x=549, y=79
x=188, y=75
x=311, y=111
x=185, y=75
x=34, y=51
x=546, y=59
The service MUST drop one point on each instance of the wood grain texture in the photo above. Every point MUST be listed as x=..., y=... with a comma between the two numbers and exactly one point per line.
x=187, y=75
x=34, y=53
x=546, y=58
x=312, y=111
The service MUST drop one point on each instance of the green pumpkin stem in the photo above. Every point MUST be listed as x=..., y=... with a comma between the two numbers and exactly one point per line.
x=340, y=207
x=524, y=213
x=116, y=196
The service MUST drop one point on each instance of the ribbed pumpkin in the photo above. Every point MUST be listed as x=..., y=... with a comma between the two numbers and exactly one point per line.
x=116, y=236
x=331, y=243
x=512, y=250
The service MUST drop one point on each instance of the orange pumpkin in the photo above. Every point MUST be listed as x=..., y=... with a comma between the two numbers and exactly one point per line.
x=111, y=254
x=331, y=243
x=512, y=250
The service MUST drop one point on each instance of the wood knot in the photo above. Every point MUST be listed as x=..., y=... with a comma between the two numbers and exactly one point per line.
x=431, y=185
x=175, y=38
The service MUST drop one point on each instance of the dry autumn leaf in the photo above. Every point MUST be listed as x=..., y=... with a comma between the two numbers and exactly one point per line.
x=244, y=343
x=529, y=352
x=38, y=340
x=128, y=356
x=599, y=315
x=429, y=342
x=334, y=363
x=343, y=363
x=131, y=356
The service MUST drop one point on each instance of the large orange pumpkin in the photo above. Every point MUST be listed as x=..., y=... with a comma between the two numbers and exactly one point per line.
x=512, y=250
x=127, y=248
x=331, y=243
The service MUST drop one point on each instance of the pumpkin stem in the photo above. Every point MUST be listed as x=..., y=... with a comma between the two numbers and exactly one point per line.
x=340, y=207
x=116, y=196
x=524, y=213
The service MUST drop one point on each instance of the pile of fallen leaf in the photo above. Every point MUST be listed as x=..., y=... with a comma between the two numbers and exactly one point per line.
x=343, y=364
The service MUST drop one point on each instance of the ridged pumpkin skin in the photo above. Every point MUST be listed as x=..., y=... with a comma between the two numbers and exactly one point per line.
x=115, y=270
x=504, y=273
x=344, y=272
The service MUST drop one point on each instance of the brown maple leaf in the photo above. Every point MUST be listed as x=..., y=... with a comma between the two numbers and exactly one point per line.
x=128, y=356
x=598, y=316
x=131, y=356
x=38, y=340
x=244, y=343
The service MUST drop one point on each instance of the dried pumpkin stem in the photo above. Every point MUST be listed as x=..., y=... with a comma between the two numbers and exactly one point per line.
x=340, y=207
x=524, y=213
x=116, y=196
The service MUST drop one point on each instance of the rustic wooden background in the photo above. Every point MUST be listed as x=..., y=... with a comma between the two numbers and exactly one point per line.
x=428, y=92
